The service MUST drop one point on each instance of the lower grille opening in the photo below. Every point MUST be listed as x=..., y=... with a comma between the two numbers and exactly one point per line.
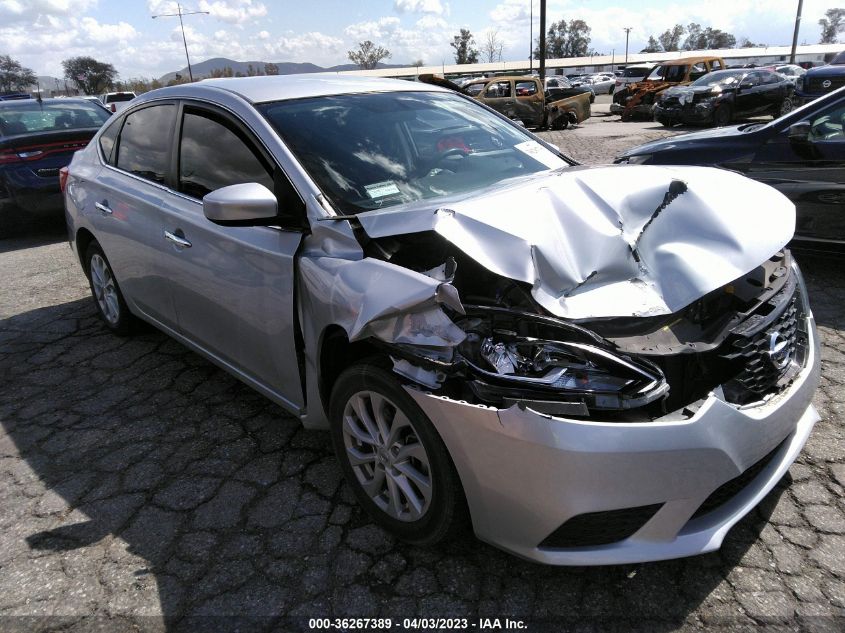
x=600, y=528
x=730, y=489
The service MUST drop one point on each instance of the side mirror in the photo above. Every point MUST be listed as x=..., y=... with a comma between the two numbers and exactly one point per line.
x=243, y=204
x=799, y=132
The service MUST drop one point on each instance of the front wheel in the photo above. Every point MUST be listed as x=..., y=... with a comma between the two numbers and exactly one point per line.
x=393, y=458
x=785, y=108
x=723, y=115
x=107, y=296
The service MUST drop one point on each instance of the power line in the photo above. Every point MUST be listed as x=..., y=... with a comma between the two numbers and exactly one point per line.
x=179, y=14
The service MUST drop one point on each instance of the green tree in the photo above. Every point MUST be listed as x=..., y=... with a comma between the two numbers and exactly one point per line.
x=832, y=25
x=564, y=39
x=695, y=40
x=271, y=69
x=465, y=50
x=744, y=42
x=652, y=47
x=368, y=55
x=670, y=39
x=715, y=38
x=13, y=76
x=90, y=76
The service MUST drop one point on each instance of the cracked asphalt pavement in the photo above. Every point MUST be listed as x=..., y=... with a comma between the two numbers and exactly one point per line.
x=145, y=489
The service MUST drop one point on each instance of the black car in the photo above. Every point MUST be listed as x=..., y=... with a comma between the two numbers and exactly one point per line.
x=37, y=138
x=721, y=96
x=821, y=80
x=801, y=154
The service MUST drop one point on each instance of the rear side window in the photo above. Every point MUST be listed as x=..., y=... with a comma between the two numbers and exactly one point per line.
x=214, y=154
x=144, y=146
x=526, y=88
x=108, y=139
x=498, y=89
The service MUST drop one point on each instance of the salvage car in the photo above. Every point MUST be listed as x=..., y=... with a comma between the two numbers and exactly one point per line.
x=637, y=99
x=560, y=85
x=37, y=138
x=524, y=99
x=598, y=365
x=802, y=155
x=719, y=97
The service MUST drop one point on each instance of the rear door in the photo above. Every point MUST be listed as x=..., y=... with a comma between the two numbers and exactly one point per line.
x=128, y=196
x=233, y=287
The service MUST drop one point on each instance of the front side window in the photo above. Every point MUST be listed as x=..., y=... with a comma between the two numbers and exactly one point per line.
x=498, y=89
x=144, y=145
x=829, y=126
x=214, y=154
x=371, y=151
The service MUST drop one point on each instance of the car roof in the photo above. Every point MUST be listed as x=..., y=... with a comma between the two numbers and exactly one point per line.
x=265, y=88
x=23, y=103
x=683, y=61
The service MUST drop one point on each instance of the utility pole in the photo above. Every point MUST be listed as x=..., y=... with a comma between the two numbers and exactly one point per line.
x=542, y=42
x=531, y=40
x=179, y=14
x=627, y=30
x=795, y=33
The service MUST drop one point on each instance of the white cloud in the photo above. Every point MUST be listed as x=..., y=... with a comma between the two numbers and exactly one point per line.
x=374, y=29
x=420, y=6
x=102, y=33
x=234, y=11
x=12, y=11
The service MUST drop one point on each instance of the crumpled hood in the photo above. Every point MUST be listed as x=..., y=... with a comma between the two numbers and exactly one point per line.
x=592, y=243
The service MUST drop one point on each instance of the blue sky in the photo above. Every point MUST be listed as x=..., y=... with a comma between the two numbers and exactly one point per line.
x=40, y=33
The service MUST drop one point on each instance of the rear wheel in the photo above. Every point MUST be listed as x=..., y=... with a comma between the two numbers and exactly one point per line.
x=665, y=122
x=107, y=296
x=561, y=123
x=393, y=458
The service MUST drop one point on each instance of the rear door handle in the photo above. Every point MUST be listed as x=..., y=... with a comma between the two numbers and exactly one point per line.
x=177, y=239
x=103, y=207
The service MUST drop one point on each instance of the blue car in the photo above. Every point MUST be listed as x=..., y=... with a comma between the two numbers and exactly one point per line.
x=37, y=138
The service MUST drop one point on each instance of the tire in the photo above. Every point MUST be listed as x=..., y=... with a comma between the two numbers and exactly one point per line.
x=108, y=298
x=560, y=123
x=665, y=122
x=723, y=115
x=398, y=498
x=785, y=108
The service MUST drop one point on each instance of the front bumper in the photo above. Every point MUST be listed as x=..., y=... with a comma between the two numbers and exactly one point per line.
x=694, y=114
x=642, y=109
x=526, y=474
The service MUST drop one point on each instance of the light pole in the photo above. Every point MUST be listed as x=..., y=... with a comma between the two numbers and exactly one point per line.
x=627, y=30
x=542, y=42
x=179, y=14
x=795, y=33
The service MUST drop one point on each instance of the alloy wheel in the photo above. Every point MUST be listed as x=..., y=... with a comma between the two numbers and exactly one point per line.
x=105, y=291
x=387, y=456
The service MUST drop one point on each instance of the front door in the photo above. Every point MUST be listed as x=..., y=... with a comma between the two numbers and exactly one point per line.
x=233, y=287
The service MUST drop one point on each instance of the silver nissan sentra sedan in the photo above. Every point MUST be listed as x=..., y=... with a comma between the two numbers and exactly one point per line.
x=595, y=365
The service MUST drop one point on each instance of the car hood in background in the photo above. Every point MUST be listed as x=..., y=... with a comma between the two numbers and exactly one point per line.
x=611, y=241
x=716, y=133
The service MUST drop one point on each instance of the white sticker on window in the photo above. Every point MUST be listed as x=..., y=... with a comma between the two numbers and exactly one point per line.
x=541, y=154
x=382, y=189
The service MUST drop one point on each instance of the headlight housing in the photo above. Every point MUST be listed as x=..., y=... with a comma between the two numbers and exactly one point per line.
x=513, y=357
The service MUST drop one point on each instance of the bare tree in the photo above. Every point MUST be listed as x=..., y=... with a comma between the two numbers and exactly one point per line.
x=368, y=55
x=491, y=49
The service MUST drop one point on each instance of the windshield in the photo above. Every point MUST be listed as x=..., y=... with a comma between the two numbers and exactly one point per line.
x=722, y=78
x=376, y=150
x=668, y=73
x=635, y=72
x=50, y=117
x=119, y=97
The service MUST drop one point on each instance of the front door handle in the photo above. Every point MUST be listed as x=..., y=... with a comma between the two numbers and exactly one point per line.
x=180, y=241
x=103, y=207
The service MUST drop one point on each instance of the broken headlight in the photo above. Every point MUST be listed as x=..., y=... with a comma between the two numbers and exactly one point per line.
x=508, y=365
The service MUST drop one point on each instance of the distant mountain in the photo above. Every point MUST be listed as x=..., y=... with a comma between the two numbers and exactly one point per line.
x=205, y=68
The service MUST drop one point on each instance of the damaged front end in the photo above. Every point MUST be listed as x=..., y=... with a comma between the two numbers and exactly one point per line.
x=594, y=306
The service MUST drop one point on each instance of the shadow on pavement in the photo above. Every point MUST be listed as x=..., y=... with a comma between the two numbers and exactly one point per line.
x=142, y=480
